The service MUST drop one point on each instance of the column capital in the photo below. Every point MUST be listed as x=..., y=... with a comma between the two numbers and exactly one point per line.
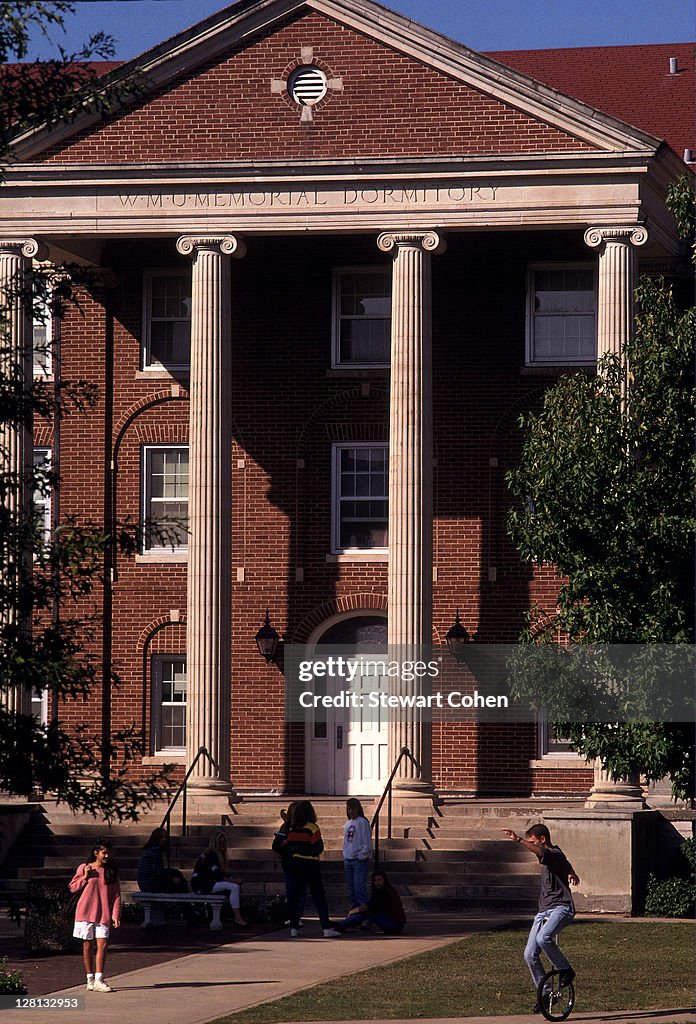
x=429, y=241
x=631, y=234
x=228, y=245
x=27, y=247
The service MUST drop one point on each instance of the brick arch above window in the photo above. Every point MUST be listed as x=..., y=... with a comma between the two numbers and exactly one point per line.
x=43, y=436
x=144, y=404
x=161, y=632
x=323, y=412
x=334, y=609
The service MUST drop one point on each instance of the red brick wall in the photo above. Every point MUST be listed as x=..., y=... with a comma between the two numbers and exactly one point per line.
x=391, y=105
x=287, y=405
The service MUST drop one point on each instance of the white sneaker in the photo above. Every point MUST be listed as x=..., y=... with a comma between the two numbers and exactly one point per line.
x=331, y=933
x=90, y=984
x=102, y=986
x=294, y=933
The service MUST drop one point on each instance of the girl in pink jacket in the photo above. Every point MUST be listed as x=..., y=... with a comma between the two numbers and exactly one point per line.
x=98, y=908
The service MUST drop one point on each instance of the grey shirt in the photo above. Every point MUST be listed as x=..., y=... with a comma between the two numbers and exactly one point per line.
x=555, y=888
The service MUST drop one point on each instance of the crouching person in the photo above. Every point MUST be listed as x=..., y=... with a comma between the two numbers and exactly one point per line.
x=384, y=909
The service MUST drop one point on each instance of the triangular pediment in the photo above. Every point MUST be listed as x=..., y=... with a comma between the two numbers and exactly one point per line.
x=396, y=89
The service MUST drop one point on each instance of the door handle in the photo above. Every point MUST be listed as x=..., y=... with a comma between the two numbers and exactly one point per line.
x=339, y=737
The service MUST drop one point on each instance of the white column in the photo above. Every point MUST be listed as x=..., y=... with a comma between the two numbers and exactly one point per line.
x=610, y=793
x=617, y=274
x=16, y=451
x=208, y=631
x=617, y=278
x=411, y=486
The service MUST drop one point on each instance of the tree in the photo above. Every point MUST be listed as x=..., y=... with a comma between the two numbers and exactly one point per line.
x=605, y=492
x=44, y=633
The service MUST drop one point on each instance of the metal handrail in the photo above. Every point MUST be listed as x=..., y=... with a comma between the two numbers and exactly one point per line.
x=167, y=819
x=387, y=795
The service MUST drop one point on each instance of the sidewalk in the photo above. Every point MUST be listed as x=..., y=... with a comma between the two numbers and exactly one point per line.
x=196, y=988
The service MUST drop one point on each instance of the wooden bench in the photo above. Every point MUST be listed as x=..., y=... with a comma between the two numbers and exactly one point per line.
x=215, y=901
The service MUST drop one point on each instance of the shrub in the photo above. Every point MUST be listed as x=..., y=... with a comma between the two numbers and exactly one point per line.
x=50, y=916
x=11, y=982
x=675, y=896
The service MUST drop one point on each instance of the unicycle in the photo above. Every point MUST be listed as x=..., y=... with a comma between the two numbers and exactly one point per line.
x=556, y=1000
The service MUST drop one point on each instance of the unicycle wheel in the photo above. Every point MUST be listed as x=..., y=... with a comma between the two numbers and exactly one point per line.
x=556, y=1000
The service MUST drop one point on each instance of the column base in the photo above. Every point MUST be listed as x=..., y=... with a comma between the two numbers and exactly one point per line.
x=210, y=798
x=606, y=802
x=611, y=794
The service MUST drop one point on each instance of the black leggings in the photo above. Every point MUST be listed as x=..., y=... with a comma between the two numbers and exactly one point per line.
x=306, y=875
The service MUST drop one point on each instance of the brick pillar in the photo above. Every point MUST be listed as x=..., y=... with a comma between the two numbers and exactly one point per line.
x=208, y=631
x=411, y=487
x=16, y=444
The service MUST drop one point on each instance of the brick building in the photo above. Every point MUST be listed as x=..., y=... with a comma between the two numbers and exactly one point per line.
x=342, y=255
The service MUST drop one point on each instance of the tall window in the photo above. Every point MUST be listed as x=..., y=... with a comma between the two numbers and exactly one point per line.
x=362, y=316
x=167, y=319
x=169, y=704
x=165, y=498
x=42, y=493
x=42, y=329
x=361, y=497
x=561, y=314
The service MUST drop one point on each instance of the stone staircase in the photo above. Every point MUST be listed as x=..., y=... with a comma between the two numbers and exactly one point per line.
x=454, y=858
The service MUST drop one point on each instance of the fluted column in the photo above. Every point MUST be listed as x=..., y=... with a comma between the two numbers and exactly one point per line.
x=612, y=793
x=617, y=274
x=411, y=485
x=16, y=453
x=208, y=630
x=617, y=277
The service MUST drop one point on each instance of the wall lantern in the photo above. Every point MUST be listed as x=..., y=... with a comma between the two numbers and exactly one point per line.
x=267, y=640
x=458, y=640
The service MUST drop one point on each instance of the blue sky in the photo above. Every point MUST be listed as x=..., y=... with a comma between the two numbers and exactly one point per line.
x=137, y=25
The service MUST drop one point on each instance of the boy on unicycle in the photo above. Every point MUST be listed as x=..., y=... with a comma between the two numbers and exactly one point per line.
x=555, y=909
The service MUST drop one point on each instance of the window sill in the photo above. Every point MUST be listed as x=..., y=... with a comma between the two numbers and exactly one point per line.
x=359, y=556
x=164, y=758
x=571, y=761
x=147, y=557
x=44, y=378
x=359, y=372
x=553, y=369
x=162, y=373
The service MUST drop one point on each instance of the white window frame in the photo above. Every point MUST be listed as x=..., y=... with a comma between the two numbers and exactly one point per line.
x=545, y=741
x=147, y=361
x=336, y=450
x=44, y=369
x=39, y=706
x=146, y=498
x=530, y=358
x=338, y=273
x=157, y=675
x=44, y=501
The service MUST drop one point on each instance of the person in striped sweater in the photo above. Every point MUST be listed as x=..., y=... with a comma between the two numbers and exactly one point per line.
x=301, y=851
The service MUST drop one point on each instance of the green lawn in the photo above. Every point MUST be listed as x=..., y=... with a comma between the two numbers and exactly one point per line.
x=621, y=965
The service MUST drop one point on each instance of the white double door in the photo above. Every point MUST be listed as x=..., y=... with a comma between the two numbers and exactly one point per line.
x=346, y=748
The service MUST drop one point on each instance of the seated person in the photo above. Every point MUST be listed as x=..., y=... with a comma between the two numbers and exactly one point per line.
x=212, y=874
x=152, y=874
x=384, y=908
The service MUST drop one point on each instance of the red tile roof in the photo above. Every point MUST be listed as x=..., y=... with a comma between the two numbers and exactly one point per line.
x=631, y=82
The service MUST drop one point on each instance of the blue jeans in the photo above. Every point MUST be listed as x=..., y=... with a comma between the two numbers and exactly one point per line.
x=356, y=880
x=544, y=927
